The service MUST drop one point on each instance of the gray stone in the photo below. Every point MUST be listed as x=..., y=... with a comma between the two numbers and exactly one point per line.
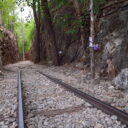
x=46, y=122
x=114, y=117
x=96, y=81
x=79, y=65
x=87, y=124
x=121, y=81
x=98, y=125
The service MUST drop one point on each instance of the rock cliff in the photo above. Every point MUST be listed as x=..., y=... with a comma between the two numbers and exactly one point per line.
x=8, y=47
x=113, y=33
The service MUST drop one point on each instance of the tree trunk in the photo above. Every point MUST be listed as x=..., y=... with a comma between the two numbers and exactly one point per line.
x=50, y=31
x=37, y=27
x=92, y=59
x=77, y=7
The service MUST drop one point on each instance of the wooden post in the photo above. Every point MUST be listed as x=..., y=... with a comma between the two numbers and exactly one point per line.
x=91, y=39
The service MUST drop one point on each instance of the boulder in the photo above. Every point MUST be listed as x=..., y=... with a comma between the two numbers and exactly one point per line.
x=121, y=81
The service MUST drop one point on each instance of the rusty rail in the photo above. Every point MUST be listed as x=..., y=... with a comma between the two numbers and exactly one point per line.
x=108, y=109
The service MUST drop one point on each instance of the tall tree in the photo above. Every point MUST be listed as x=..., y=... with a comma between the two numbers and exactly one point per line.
x=36, y=7
x=92, y=59
x=77, y=7
x=50, y=32
x=37, y=18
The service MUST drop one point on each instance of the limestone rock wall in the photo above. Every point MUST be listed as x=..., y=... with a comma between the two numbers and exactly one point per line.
x=8, y=46
x=113, y=33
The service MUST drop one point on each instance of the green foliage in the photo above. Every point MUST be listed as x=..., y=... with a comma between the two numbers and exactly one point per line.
x=23, y=31
x=7, y=9
x=25, y=34
x=68, y=21
x=71, y=32
x=56, y=4
x=29, y=30
x=97, y=5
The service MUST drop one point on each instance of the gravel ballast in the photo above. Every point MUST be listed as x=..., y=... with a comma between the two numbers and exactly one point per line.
x=47, y=105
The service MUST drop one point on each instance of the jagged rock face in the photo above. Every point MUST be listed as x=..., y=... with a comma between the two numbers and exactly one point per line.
x=8, y=47
x=113, y=34
x=121, y=81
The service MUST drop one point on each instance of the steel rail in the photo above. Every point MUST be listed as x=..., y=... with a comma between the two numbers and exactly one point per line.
x=106, y=108
x=20, y=102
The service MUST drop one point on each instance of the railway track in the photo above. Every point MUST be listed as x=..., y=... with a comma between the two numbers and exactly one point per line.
x=122, y=116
